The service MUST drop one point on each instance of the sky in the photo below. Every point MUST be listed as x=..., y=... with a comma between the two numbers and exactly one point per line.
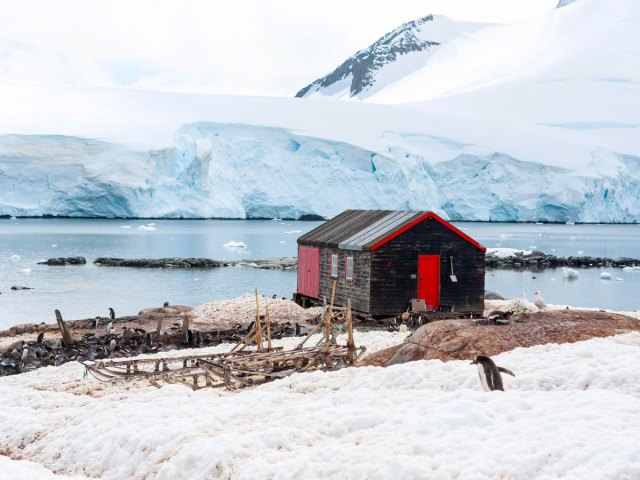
x=239, y=47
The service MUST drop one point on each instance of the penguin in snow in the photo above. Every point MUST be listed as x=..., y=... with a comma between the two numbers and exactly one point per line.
x=489, y=373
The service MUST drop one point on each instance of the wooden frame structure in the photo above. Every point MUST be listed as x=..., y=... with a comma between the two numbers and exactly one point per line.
x=244, y=365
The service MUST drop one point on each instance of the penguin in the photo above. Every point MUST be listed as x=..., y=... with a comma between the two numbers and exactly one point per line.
x=190, y=337
x=112, y=345
x=490, y=373
x=25, y=351
x=274, y=296
x=198, y=339
x=96, y=322
x=499, y=316
x=40, y=337
x=165, y=304
x=148, y=340
x=112, y=314
x=110, y=328
x=539, y=302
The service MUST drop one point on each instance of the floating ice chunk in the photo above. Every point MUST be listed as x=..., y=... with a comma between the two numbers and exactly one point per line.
x=234, y=244
x=570, y=222
x=15, y=258
x=54, y=245
x=293, y=231
x=580, y=252
x=281, y=241
x=12, y=218
x=569, y=272
x=147, y=227
x=151, y=224
x=26, y=270
x=605, y=276
x=505, y=235
x=572, y=237
x=125, y=226
x=618, y=279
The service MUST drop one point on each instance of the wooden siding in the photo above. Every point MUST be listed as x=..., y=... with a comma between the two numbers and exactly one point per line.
x=394, y=268
x=356, y=289
x=308, y=271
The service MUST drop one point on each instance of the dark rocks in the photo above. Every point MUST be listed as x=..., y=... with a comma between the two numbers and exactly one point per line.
x=489, y=295
x=16, y=287
x=539, y=260
x=61, y=261
x=283, y=263
x=158, y=262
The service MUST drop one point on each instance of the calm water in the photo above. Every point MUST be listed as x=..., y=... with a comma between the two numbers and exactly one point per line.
x=87, y=291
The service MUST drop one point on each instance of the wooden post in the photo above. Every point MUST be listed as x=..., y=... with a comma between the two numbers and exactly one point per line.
x=350, y=343
x=185, y=327
x=268, y=320
x=325, y=316
x=258, y=326
x=66, y=334
x=159, y=327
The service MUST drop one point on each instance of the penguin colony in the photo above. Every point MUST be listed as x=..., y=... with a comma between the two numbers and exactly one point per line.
x=107, y=342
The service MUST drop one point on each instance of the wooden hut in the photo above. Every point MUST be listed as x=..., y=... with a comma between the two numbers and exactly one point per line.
x=382, y=259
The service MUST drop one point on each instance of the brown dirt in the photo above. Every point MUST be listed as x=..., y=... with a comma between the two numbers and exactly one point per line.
x=463, y=340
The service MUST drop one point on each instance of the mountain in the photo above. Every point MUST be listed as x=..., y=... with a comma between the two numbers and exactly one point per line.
x=537, y=121
x=399, y=52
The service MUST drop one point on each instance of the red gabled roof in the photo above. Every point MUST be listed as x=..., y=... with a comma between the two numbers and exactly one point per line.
x=420, y=219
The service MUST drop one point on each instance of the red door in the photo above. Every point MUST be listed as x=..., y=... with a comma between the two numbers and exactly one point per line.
x=309, y=271
x=429, y=280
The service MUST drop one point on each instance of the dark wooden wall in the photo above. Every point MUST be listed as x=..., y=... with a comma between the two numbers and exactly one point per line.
x=357, y=289
x=394, y=268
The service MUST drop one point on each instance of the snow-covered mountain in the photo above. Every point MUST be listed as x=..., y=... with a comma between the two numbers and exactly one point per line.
x=390, y=58
x=527, y=122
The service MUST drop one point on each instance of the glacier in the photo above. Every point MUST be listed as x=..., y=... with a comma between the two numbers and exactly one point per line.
x=217, y=170
x=535, y=121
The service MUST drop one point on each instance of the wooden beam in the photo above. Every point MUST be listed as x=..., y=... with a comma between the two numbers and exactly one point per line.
x=258, y=326
x=64, y=329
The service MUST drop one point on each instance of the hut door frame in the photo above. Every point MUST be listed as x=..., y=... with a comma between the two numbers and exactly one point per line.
x=429, y=280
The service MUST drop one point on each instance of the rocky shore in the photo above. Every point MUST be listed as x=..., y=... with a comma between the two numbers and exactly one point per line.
x=519, y=260
x=541, y=260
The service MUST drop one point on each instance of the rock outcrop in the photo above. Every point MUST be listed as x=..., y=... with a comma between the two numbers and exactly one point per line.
x=464, y=339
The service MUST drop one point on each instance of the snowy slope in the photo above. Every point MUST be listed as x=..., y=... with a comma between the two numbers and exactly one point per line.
x=124, y=153
x=534, y=121
x=571, y=412
x=390, y=58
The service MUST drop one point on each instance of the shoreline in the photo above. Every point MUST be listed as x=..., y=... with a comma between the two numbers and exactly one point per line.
x=304, y=218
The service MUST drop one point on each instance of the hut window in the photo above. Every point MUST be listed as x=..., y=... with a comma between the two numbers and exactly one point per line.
x=334, y=265
x=349, y=268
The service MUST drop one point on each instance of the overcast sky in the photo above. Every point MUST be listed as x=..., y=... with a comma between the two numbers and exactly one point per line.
x=239, y=47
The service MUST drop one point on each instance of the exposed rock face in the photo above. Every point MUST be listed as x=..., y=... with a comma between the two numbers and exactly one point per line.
x=362, y=67
x=61, y=261
x=464, y=339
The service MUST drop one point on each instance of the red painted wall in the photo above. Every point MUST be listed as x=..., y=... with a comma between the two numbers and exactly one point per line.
x=309, y=271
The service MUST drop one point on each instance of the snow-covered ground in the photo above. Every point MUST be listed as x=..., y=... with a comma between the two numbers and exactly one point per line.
x=570, y=412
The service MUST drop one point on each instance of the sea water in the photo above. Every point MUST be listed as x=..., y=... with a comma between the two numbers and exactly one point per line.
x=87, y=291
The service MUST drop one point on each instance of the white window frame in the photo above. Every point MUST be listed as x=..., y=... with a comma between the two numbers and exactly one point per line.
x=348, y=268
x=334, y=266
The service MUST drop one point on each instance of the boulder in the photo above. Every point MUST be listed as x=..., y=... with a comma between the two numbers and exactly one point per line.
x=463, y=339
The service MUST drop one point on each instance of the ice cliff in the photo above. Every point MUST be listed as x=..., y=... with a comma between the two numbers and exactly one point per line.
x=242, y=171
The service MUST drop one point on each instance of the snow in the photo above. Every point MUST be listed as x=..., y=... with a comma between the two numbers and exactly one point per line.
x=507, y=252
x=532, y=121
x=570, y=412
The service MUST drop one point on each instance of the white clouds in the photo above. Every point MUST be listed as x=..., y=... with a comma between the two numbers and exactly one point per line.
x=232, y=47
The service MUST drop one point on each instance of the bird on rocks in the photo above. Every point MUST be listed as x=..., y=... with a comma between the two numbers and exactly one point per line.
x=112, y=313
x=110, y=329
x=40, y=337
x=165, y=304
x=25, y=351
x=539, y=302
